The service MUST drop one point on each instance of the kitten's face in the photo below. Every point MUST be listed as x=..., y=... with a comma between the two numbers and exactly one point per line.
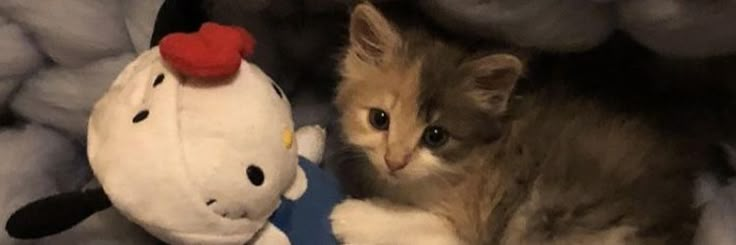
x=417, y=107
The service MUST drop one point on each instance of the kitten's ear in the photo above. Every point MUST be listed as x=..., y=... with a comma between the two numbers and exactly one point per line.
x=371, y=34
x=495, y=77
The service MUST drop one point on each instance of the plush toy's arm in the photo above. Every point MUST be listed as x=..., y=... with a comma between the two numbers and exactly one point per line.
x=270, y=235
x=299, y=186
x=310, y=141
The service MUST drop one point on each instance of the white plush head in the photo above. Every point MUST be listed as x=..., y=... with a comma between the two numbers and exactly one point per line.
x=193, y=161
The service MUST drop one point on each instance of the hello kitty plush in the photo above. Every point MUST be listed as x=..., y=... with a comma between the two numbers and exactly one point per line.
x=197, y=146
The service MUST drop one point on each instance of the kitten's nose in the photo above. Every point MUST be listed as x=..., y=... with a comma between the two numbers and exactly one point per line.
x=396, y=163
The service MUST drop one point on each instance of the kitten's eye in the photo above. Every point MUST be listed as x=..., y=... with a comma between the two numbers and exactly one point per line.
x=434, y=136
x=379, y=119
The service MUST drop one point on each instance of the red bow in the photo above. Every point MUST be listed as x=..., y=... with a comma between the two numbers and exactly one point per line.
x=214, y=52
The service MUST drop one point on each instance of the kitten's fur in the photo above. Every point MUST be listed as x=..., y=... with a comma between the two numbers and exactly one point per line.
x=556, y=171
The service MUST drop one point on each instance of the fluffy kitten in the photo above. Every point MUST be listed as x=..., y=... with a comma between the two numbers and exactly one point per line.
x=433, y=147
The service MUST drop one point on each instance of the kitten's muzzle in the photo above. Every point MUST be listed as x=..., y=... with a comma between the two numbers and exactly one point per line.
x=396, y=163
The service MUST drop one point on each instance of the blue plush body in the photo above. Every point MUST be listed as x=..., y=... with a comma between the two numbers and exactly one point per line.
x=306, y=220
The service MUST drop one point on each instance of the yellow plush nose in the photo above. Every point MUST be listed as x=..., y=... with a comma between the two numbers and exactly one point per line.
x=288, y=138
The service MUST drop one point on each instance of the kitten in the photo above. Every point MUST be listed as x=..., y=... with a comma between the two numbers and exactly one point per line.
x=442, y=154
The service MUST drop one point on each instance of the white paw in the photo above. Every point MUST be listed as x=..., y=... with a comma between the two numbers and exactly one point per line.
x=350, y=222
x=311, y=142
x=375, y=222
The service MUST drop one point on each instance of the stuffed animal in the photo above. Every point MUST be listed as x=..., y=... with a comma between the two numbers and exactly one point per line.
x=197, y=146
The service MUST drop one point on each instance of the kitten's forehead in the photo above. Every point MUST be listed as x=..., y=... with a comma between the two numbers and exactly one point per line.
x=442, y=81
x=444, y=92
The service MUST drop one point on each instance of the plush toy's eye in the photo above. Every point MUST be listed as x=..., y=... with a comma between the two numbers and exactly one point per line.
x=142, y=115
x=255, y=175
x=278, y=90
x=159, y=80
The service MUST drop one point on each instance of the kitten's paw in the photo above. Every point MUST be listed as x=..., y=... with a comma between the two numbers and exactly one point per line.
x=375, y=222
x=311, y=142
x=349, y=223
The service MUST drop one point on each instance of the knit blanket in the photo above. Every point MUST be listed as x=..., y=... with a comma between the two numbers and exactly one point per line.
x=681, y=28
x=57, y=59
